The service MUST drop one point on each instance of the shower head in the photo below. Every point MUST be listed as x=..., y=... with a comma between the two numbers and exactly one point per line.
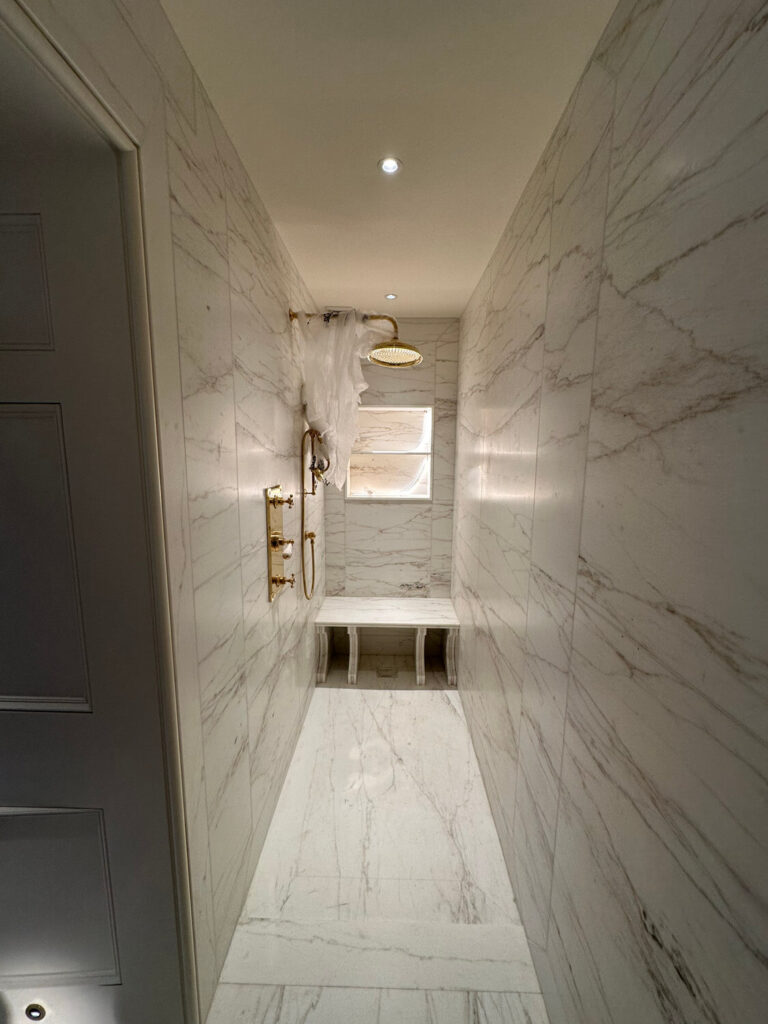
x=395, y=353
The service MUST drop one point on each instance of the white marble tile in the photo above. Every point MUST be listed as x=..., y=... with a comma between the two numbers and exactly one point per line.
x=364, y=571
x=641, y=772
x=382, y=868
x=396, y=611
x=386, y=781
x=274, y=1004
x=312, y=899
x=153, y=29
x=335, y=540
x=578, y=217
x=374, y=764
x=442, y=543
x=385, y=954
x=387, y=548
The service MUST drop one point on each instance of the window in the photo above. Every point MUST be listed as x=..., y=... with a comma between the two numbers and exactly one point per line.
x=392, y=454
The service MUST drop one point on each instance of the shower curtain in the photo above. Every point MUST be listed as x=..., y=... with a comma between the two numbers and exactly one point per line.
x=333, y=345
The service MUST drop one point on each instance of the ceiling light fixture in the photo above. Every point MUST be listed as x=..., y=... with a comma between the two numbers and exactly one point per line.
x=390, y=164
x=390, y=296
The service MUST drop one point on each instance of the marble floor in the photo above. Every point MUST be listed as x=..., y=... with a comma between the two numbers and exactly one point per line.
x=381, y=896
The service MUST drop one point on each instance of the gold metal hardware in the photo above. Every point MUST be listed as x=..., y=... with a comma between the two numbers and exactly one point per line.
x=278, y=499
x=394, y=354
x=279, y=542
x=366, y=316
x=280, y=581
x=316, y=473
x=279, y=547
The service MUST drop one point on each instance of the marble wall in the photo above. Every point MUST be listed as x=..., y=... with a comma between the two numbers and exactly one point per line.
x=241, y=380
x=402, y=548
x=611, y=531
x=227, y=381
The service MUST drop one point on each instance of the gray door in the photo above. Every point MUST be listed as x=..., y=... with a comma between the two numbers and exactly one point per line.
x=87, y=918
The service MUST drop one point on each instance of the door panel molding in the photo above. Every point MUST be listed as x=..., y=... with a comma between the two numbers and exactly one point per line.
x=25, y=326
x=65, y=867
x=35, y=509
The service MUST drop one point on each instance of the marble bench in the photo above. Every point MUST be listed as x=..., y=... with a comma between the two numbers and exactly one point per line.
x=419, y=613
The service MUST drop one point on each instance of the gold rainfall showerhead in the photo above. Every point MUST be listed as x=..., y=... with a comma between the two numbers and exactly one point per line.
x=393, y=352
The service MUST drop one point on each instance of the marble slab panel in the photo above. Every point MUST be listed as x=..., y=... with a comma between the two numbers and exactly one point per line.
x=398, y=611
x=663, y=758
x=578, y=218
x=441, y=552
x=335, y=541
x=318, y=898
x=367, y=783
x=433, y=384
x=388, y=549
x=657, y=902
x=410, y=954
x=272, y=1004
x=382, y=866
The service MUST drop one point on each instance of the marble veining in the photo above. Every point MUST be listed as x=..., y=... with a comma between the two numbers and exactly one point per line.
x=399, y=611
x=606, y=570
x=382, y=870
x=240, y=380
x=402, y=548
x=273, y=1004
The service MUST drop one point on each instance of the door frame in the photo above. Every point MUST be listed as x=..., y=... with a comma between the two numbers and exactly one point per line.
x=142, y=168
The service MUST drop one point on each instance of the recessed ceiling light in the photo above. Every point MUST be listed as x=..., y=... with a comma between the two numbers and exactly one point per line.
x=390, y=165
x=390, y=295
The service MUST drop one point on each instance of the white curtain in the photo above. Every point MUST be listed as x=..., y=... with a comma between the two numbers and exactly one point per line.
x=333, y=344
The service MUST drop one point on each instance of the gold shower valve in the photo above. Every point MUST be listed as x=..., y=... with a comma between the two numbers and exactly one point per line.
x=277, y=500
x=277, y=541
x=309, y=535
x=280, y=581
x=279, y=547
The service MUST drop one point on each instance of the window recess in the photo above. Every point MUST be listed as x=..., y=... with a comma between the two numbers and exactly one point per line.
x=392, y=455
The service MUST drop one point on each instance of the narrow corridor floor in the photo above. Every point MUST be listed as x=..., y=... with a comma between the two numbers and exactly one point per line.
x=381, y=895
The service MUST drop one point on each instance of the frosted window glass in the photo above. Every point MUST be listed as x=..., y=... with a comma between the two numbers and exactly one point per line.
x=392, y=454
x=393, y=430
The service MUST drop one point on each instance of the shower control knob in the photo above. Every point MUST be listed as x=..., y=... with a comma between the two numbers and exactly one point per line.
x=277, y=500
x=281, y=542
x=280, y=581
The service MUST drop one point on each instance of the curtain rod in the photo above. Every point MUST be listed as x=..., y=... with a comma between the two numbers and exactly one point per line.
x=366, y=316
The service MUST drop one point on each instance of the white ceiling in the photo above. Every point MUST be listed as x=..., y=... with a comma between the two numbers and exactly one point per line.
x=465, y=92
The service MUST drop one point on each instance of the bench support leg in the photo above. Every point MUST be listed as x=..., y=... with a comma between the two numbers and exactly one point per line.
x=354, y=654
x=451, y=636
x=421, y=676
x=323, y=653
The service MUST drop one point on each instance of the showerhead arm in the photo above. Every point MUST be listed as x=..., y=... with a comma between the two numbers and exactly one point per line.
x=392, y=353
x=383, y=316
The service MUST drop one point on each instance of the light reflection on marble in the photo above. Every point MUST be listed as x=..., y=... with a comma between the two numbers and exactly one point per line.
x=635, y=830
x=382, y=867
